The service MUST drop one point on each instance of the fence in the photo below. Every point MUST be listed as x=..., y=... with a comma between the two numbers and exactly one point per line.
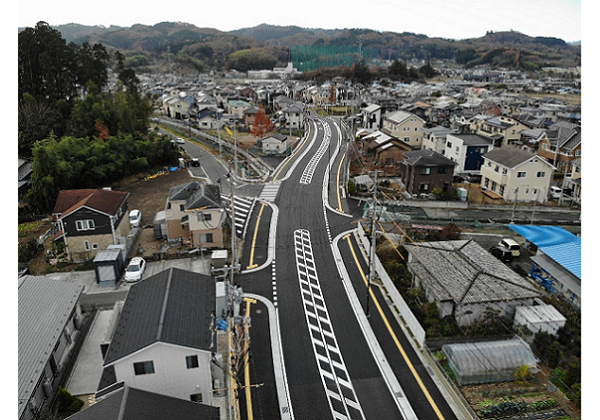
x=398, y=301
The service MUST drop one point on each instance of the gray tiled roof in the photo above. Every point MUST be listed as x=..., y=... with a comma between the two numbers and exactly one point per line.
x=174, y=306
x=471, y=139
x=509, y=156
x=426, y=157
x=463, y=272
x=45, y=307
x=136, y=404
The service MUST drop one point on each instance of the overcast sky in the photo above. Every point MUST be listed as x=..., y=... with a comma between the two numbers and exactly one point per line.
x=457, y=19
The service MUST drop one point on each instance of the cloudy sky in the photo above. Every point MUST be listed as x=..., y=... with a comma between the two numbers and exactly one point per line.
x=457, y=19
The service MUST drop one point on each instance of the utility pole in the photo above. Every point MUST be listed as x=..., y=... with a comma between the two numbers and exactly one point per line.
x=512, y=217
x=373, y=243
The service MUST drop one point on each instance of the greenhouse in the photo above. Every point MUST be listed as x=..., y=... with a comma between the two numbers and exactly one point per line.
x=489, y=361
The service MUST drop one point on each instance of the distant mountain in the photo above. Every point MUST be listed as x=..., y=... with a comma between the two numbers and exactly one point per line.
x=201, y=48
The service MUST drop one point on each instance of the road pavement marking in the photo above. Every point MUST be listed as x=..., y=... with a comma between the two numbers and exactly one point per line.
x=252, y=265
x=312, y=165
x=394, y=337
x=342, y=398
x=337, y=185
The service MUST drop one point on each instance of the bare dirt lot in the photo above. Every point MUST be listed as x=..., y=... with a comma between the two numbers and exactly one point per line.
x=150, y=197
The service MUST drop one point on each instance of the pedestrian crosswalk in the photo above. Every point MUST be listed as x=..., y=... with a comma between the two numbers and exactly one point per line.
x=269, y=192
x=243, y=208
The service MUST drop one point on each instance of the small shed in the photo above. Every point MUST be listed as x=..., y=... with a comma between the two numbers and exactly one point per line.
x=545, y=318
x=160, y=225
x=108, y=266
x=488, y=361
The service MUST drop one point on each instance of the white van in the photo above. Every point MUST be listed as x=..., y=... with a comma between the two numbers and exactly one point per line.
x=512, y=245
x=555, y=192
x=135, y=218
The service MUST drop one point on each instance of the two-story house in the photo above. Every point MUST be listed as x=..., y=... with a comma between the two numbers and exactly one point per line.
x=503, y=129
x=372, y=116
x=405, y=126
x=561, y=145
x=165, y=338
x=467, y=150
x=236, y=107
x=193, y=214
x=423, y=170
x=90, y=220
x=385, y=148
x=294, y=115
x=516, y=175
x=435, y=138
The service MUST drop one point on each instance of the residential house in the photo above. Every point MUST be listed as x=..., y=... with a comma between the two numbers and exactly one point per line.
x=424, y=170
x=49, y=322
x=177, y=106
x=282, y=101
x=130, y=403
x=165, y=338
x=236, y=107
x=384, y=147
x=194, y=215
x=572, y=182
x=515, y=175
x=274, y=144
x=404, y=126
x=372, y=116
x=466, y=281
x=90, y=220
x=556, y=264
x=435, y=138
x=503, y=129
x=562, y=145
x=249, y=116
x=467, y=150
x=294, y=115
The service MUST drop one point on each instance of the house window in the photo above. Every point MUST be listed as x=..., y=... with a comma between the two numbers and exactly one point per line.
x=424, y=187
x=504, y=171
x=449, y=144
x=496, y=168
x=501, y=190
x=207, y=217
x=541, y=174
x=425, y=171
x=407, y=139
x=95, y=246
x=143, y=368
x=86, y=245
x=181, y=207
x=196, y=397
x=443, y=170
x=486, y=182
x=85, y=225
x=521, y=174
x=191, y=361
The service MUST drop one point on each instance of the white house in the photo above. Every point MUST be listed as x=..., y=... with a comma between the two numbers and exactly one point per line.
x=165, y=338
x=275, y=144
x=516, y=175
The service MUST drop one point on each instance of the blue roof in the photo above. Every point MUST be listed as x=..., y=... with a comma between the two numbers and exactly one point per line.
x=557, y=243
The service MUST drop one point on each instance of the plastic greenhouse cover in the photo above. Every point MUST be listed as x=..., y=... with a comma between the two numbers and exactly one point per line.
x=489, y=357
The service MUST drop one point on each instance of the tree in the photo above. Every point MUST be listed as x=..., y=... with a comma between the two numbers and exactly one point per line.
x=47, y=68
x=262, y=124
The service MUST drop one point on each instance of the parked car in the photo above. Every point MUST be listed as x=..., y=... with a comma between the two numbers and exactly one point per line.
x=512, y=245
x=135, y=218
x=555, y=192
x=501, y=253
x=195, y=162
x=180, y=140
x=135, y=269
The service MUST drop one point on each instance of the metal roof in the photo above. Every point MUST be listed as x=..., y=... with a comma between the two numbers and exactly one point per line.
x=45, y=307
x=557, y=243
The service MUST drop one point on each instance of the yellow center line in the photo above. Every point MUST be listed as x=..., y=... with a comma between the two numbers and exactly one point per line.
x=394, y=337
x=252, y=265
x=337, y=185
x=247, y=387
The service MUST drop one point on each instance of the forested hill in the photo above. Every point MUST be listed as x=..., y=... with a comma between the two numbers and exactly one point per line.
x=203, y=48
